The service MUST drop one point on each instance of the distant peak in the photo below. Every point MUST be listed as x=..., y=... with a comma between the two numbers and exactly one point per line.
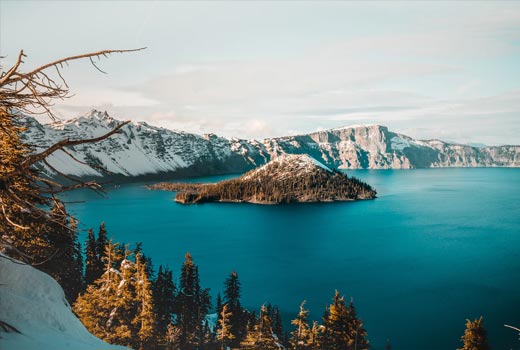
x=361, y=126
x=100, y=115
x=300, y=161
x=93, y=117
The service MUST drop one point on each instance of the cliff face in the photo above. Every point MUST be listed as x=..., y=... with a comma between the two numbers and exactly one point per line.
x=142, y=149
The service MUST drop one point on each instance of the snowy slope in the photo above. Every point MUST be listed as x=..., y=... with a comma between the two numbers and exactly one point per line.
x=34, y=303
x=139, y=148
x=143, y=149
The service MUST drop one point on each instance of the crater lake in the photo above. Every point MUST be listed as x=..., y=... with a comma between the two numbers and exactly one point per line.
x=436, y=247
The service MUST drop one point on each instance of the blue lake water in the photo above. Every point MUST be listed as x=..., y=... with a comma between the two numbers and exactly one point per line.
x=436, y=247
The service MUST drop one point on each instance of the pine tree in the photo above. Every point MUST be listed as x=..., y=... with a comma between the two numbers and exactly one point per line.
x=475, y=336
x=95, y=307
x=277, y=322
x=336, y=335
x=358, y=334
x=301, y=336
x=101, y=242
x=192, y=303
x=145, y=318
x=118, y=306
x=65, y=264
x=218, y=308
x=124, y=331
x=75, y=279
x=172, y=338
x=147, y=261
x=315, y=336
x=92, y=262
x=232, y=299
x=261, y=336
x=224, y=334
x=164, y=299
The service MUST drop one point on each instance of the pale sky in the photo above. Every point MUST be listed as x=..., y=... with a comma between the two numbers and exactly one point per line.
x=448, y=70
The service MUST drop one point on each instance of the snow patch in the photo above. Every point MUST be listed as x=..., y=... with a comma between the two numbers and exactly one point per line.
x=34, y=303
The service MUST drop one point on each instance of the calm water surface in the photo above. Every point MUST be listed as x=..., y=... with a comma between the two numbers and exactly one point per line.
x=438, y=246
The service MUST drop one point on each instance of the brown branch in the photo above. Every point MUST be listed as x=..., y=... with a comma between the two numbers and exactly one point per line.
x=13, y=69
x=8, y=219
x=72, y=58
x=67, y=143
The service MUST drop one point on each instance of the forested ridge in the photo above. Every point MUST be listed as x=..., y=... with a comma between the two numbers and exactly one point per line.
x=287, y=179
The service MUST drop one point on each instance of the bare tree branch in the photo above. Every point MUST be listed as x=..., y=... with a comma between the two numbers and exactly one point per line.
x=67, y=143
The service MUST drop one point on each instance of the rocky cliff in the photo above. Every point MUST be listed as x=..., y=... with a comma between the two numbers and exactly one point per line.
x=145, y=150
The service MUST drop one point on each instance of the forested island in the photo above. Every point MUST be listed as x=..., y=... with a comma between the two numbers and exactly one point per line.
x=290, y=178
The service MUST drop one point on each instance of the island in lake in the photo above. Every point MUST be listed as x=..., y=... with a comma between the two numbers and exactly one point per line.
x=288, y=178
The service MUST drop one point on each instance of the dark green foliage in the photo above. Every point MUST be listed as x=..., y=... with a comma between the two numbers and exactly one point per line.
x=164, y=298
x=277, y=322
x=66, y=263
x=475, y=336
x=218, y=309
x=102, y=241
x=232, y=300
x=92, y=261
x=192, y=303
x=147, y=261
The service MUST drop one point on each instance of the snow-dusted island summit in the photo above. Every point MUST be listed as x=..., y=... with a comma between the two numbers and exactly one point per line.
x=286, y=179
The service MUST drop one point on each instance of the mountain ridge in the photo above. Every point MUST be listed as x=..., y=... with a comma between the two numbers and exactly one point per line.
x=143, y=150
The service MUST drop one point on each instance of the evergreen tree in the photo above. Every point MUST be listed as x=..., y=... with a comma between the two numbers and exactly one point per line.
x=475, y=336
x=261, y=336
x=147, y=261
x=172, y=338
x=277, y=322
x=65, y=264
x=336, y=335
x=192, y=303
x=94, y=308
x=164, y=299
x=92, y=262
x=232, y=299
x=121, y=320
x=118, y=306
x=101, y=242
x=315, y=336
x=74, y=276
x=358, y=333
x=218, y=308
x=301, y=336
x=145, y=318
x=224, y=334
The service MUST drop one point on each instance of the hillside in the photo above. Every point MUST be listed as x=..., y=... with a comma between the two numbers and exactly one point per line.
x=34, y=304
x=143, y=150
x=286, y=179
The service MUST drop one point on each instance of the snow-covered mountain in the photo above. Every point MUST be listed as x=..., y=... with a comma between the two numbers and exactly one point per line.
x=34, y=304
x=143, y=149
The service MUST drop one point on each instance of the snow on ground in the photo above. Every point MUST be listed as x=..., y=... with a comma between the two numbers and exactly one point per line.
x=399, y=143
x=34, y=303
